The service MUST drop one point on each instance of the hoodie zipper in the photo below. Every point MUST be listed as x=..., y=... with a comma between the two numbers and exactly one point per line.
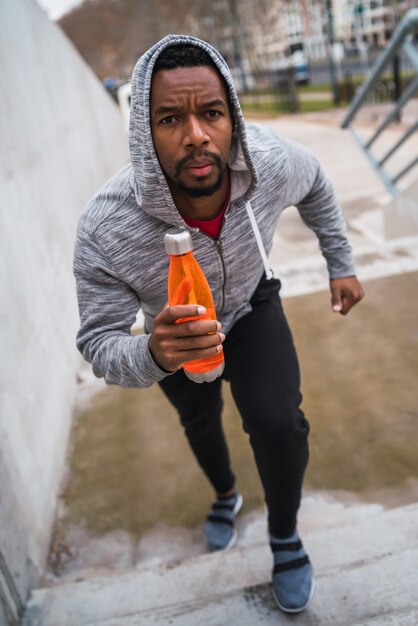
x=221, y=256
x=218, y=246
x=219, y=249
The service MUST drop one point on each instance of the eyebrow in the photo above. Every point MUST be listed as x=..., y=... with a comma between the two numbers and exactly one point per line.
x=205, y=105
x=166, y=109
x=214, y=103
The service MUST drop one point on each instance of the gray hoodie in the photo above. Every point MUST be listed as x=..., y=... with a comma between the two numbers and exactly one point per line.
x=120, y=262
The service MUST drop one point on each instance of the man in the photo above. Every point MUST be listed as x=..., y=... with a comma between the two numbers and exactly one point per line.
x=196, y=165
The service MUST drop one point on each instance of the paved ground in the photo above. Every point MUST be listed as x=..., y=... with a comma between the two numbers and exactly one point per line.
x=131, y=475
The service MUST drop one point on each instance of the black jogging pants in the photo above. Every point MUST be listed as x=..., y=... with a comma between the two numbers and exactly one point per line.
x=262, y=368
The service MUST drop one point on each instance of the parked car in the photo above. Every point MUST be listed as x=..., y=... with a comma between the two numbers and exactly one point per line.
x=300, y=65
x=297, y=62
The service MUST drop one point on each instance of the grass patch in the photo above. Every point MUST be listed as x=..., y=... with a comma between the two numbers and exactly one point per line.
x=275, y=108
x=321, y=88
x=312, y=106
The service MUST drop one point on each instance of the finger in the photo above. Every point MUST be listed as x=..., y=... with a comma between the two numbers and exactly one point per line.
x=200, y=342
x=173, y=313
x=172, y=352
x=350, y=298
x=193, y=355
x=346, y=304
x=192, y=328
x=336, y=302
x=185, y=327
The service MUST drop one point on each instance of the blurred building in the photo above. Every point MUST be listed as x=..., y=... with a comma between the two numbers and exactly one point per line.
x=252, y=36
x=369, y=22
x=304, y=27
x=356, y=23
x=261, y=34
x=265, y=32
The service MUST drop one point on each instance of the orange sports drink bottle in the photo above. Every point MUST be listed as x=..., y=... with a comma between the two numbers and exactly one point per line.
x=187, y=284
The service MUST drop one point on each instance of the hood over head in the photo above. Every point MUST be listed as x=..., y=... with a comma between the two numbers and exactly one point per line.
x=148, y=179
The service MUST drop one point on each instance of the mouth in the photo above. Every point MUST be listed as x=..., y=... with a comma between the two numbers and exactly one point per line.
x=199, y=165
x=199, y=168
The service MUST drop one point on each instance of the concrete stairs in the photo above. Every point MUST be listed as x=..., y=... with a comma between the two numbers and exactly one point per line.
x=366, y=574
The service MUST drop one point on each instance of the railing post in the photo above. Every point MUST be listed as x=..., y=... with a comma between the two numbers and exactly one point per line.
x=389, y=57
x=409, y=22
x=397, y=81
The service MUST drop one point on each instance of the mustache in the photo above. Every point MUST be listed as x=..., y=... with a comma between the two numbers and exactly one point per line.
x=191, y=157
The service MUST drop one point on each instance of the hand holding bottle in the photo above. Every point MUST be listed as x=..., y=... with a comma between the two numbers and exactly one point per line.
x=173, y=342
x=186, y=334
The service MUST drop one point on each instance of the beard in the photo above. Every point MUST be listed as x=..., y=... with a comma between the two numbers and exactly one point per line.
x=204, y=191
x=201, y=192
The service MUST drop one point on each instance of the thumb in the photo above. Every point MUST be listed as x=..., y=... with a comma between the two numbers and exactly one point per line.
x=336, y=301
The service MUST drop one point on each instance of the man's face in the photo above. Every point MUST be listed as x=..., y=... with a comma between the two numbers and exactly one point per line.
x=191, y=128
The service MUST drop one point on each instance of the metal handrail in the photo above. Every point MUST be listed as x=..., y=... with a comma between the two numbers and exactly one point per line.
x=401, y=38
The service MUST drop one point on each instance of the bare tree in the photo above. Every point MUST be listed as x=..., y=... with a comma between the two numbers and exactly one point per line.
x=112, y=34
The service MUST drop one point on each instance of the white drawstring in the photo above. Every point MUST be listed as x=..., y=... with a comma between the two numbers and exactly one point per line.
x=267, y=268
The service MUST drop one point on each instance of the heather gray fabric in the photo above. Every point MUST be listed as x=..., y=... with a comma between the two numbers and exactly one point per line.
x=120, y=263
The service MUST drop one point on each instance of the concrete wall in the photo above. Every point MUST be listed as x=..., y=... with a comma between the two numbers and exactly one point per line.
x=61, y=137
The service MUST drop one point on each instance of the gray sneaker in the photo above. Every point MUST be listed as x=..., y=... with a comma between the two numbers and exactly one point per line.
x=220, y=531
x=293, y=578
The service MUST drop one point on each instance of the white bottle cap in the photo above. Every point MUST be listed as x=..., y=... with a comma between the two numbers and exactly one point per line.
x=178, y=241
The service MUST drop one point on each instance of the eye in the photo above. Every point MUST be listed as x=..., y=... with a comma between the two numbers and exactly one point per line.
x=213, y=115
x=168, y=120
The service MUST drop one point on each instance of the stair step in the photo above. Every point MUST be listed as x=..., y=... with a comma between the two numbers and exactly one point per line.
x=407, y=618
x=364, y=570
x=358, y=596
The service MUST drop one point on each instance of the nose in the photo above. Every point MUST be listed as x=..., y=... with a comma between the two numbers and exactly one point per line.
x=195, y=133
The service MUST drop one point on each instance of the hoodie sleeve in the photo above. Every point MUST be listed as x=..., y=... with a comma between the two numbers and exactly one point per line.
x=108, y=308
x=311, y=191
